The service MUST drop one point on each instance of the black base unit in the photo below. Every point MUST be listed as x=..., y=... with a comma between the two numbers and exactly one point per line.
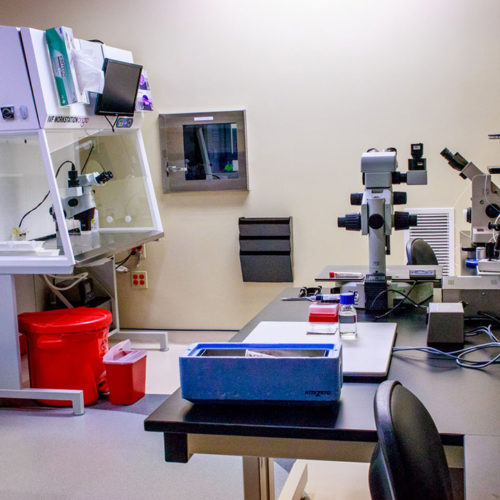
x=266, y=249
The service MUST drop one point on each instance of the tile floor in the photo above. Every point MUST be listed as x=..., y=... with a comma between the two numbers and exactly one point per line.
x=48, y=454
x=162, y=371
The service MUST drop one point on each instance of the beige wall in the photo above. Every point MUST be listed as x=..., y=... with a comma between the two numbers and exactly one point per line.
x=321, y=81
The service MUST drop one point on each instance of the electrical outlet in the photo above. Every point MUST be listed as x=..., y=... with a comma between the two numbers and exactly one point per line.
x=139, y=279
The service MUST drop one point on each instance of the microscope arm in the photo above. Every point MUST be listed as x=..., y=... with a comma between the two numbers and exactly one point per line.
x=485, y=197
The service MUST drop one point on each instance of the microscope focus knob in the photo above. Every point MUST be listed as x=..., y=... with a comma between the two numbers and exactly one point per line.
x=399, y=197
x=356, y=198
x=352, y=222
x=376, y=221
x=403, y=220
x=492, y=210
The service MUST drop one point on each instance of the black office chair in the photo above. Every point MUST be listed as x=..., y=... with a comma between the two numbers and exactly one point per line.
x=419, y=252
x=408, y=462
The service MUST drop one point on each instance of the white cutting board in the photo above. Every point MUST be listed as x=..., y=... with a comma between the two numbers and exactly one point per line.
x=366, y=356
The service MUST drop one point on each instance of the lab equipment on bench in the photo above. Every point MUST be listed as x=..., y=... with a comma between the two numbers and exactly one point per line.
x=79, y=202
x=377, y=218
x=483, y=214
x=323, y=318
x=346, y=275
x=347, y=316
x=479, y=294
x=445, y=324
x=261, y=373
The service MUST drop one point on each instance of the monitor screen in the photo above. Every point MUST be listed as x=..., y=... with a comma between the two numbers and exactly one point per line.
x=121, y=80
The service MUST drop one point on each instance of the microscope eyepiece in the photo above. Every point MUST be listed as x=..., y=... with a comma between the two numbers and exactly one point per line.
x=104, y=177
x=447, y=154
x=456, y=161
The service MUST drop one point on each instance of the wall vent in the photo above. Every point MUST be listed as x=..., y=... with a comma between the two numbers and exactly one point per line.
x=437, y=227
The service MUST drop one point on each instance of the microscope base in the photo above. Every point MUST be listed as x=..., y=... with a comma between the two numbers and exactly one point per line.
x=488, y=266
x=376, y=292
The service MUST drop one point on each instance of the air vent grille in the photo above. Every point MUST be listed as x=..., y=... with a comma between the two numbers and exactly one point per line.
x=437, y=227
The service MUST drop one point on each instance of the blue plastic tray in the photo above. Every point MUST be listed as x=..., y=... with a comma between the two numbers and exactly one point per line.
x=261, y=373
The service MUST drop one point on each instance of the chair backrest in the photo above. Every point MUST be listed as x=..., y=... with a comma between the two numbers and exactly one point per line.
x=409, y=461
x=419, y=252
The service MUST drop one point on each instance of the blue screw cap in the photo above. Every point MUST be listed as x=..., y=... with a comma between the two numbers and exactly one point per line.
x=347, y=299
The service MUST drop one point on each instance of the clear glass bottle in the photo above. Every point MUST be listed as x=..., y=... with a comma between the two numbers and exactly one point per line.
x=347, y=316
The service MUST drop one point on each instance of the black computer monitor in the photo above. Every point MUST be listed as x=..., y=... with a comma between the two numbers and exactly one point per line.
x=121, y=80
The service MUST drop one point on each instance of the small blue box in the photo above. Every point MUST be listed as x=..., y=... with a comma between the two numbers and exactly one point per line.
x=261, y=373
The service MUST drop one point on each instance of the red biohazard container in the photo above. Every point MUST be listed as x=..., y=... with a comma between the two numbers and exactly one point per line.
x=23, y=344
x=126, y=373
x=66, y=349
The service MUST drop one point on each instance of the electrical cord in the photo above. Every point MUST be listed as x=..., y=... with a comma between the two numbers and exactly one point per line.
x=396, y=306
x=494, y=233
x=489, y=316
x=458, y=198
x=405, y=295
x=419, y=304
x=112, y=124
x=46, y=196
x=482, y=329
x=122, y=262
x=77, y=277
x=460, y=355
x=87, y=160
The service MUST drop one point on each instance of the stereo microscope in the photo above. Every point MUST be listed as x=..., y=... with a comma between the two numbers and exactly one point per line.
x=377, y=218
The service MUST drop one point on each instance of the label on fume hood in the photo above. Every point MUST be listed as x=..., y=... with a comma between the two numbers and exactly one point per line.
x=82, y=120
x=203, y=118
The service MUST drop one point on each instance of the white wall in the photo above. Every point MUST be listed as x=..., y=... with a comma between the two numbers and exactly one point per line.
x=321, y=82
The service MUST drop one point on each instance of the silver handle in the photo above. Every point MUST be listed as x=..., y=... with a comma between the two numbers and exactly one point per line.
x=172, y=169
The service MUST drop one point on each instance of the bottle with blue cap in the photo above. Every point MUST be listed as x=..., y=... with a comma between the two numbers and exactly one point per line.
x=347, y=316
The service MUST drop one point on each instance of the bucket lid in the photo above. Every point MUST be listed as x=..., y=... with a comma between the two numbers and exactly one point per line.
x=78, y=319
x=122, y=354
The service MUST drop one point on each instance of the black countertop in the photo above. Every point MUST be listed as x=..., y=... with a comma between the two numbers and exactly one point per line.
x=461, y=401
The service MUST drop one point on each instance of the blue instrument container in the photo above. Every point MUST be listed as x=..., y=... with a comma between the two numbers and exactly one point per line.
x=261, y=373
